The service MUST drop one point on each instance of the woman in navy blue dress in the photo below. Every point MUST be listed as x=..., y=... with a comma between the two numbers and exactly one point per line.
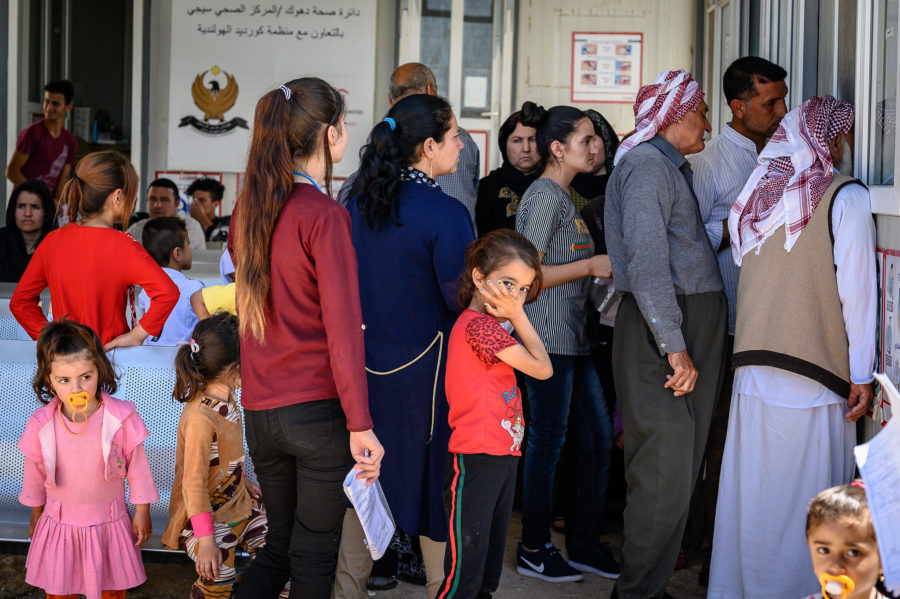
x=410, y=240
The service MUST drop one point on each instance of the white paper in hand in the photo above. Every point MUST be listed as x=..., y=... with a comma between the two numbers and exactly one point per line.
x=373, y=511
x=879, y=463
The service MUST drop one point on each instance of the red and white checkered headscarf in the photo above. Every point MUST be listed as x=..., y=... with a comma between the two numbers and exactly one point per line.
x=658, y=105
x=792, y=173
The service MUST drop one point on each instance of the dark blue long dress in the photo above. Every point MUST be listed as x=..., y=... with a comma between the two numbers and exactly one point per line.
x=408, y=280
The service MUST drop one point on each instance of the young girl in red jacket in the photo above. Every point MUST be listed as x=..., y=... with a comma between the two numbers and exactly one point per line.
x=503, y=272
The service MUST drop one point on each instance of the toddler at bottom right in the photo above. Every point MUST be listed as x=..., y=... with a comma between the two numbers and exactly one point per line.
x=842, y=544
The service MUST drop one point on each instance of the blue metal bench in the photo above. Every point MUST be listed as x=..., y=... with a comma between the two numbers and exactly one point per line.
x=146, y=379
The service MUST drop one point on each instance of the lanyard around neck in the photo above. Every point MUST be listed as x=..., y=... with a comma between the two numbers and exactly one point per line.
x=308, y=178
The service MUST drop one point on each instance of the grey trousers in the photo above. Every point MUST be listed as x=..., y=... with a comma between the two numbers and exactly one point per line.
x=665, y=436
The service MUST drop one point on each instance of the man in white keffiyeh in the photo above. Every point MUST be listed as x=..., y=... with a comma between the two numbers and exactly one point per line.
x=792, y=173
x=804, y=350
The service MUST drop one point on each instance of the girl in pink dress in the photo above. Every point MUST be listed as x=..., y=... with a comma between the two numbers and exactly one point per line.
x=79, y=448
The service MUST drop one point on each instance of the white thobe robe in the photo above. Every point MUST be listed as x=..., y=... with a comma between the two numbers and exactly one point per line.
x=788, y=438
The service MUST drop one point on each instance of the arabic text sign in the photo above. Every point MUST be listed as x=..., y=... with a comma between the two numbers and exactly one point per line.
x=225, y=55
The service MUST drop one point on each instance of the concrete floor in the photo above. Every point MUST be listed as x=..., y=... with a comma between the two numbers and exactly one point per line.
x=682, y=585
x=170, y=577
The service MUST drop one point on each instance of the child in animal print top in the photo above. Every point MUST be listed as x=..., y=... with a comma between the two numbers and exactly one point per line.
x=503, y=272
x=213, y=508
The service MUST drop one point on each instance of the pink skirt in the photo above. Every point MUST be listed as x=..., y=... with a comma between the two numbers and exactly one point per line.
x=88, y=558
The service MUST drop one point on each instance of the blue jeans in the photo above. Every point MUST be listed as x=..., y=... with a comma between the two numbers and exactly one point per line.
x=573, y=387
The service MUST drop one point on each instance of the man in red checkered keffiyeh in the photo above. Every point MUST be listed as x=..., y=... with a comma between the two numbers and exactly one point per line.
x=793, y=171
x=665, y=101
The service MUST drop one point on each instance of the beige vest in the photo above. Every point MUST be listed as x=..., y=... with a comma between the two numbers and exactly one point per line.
x=788, y=308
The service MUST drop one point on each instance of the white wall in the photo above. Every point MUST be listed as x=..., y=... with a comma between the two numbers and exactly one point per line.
x=544, y=45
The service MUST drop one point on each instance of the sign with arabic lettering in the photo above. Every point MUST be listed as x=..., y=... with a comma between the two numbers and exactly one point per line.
x=225, y=55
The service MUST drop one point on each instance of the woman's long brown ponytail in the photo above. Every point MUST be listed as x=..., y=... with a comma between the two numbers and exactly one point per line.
x=287, y=125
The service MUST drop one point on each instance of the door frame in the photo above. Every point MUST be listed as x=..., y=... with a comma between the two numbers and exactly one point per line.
x=502, y=61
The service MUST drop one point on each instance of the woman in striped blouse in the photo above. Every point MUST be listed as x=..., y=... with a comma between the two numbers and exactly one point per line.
x=547, y=216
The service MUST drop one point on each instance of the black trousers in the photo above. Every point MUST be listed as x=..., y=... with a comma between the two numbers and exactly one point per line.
x=478, y=497
x=301, y=454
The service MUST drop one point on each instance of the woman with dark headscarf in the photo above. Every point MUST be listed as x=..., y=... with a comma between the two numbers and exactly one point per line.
x=29, y=217
x=590, y=186
x=499, y=191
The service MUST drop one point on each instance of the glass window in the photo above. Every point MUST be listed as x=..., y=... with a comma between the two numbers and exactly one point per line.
x=55, y=43
x=885, y=95
x=434, y=48
x=35, y=53
x=728, y=53
x=478, y=42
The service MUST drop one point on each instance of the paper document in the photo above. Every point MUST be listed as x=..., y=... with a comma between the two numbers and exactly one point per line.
x=879, y=463
x=373, y=512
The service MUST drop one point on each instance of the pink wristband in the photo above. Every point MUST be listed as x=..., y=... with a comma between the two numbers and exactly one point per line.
x=202, y=524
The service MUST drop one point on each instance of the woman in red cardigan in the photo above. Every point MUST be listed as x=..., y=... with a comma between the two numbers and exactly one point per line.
x=306, y=406
x=89, y=266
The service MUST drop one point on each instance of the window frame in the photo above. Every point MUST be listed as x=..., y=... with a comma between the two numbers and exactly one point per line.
x=885, y=198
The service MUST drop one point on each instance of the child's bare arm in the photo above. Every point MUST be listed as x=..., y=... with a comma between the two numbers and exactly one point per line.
x=133, y=337
x=35, y=516
x=141, y=524
x=530, y=357
x=199, y=305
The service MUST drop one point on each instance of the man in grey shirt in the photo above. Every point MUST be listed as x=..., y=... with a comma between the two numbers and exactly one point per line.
x=669, y=339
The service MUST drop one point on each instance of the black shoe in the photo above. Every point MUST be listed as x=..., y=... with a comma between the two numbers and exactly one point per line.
x=381, y=583
x=596, y=558
x=546, y=564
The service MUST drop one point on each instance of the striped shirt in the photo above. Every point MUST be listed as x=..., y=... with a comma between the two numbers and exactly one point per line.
x=463, y=184
x=720, y=172
x=548, y=218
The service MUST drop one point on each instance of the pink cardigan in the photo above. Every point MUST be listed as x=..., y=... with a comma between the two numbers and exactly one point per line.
x=122, y=431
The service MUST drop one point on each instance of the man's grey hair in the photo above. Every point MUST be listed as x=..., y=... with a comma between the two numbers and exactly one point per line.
x=411, y=78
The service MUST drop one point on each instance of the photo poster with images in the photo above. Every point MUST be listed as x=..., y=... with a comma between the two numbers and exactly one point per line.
x=225, y=55
x=606, y=67
x=889, y=326
x=183, y=180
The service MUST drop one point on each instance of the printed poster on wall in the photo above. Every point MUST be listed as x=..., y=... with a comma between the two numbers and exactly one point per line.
x=225, y=55
x=606, y=67
x=889, y=340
